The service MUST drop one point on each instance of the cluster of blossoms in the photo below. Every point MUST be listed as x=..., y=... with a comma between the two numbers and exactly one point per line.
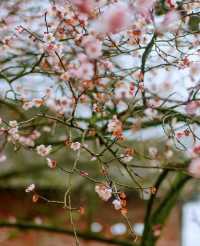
x=103, y=75
x=92, y=46
x=35, y=102
x=127, y=155
x=115, y=126
x=43, y=150
x=106, y=193
x=15, y=136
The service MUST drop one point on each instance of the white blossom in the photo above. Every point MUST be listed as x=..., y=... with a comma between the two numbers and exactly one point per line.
x=13, y=123
x=44, y=150
x=103, y=191
x=51, y=163
x=30, y=188
x=75, y=146
x=117, y=204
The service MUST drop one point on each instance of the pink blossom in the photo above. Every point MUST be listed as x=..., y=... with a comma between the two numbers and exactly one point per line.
x=194, y=152
x=3, y=158
x=35, y=135
x=84, y=6
x=107, y=64
x=13, y=132
x=143, y=7
x=103, y=191
x=85, y=71
x=51, y=163
x=116, y=17
x=27, y=105
x=194, y=168
x=132, y=89
x=50, y=48
x=26, y=141
x=44, y=150
x=19, y=29
x=191, y=107
x=171, y=3
x=170, y=22
x=75, y=146
x=92, y=46
x=113, y=124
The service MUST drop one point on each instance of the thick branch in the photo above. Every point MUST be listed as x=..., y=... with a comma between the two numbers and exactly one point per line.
x=48, y=228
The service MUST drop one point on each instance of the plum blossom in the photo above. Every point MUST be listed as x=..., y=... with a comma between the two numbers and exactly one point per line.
x=75, y=146
x=13, y=123
x=194, y=168
x=30, y=188
x=126, y=158
x=170, y=22
x=43, y=150
x=48, y=38
x=85, y=71
x=143, y=7
x=113, y=124
x=35, y=135
x=122, y=90
x=50, y=44
x=128, y=155
x=117, y=204
x=116, y=17
x=106, y=64
x=46, y=129
x=26, y=141
x=51, y=163
x=92, y=46
x=194, y=152
x=13, y=131
x=3, y=158
x=103, y=191
x=171, y=3
x=35, y=102
x=60, y=105
x=51, y=48
x=27, y=105
x=153, y=151
x=191, y=107
x=84, y=6
x=13, y=134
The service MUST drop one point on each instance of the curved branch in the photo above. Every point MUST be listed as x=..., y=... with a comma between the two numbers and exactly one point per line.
x=53, y=229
